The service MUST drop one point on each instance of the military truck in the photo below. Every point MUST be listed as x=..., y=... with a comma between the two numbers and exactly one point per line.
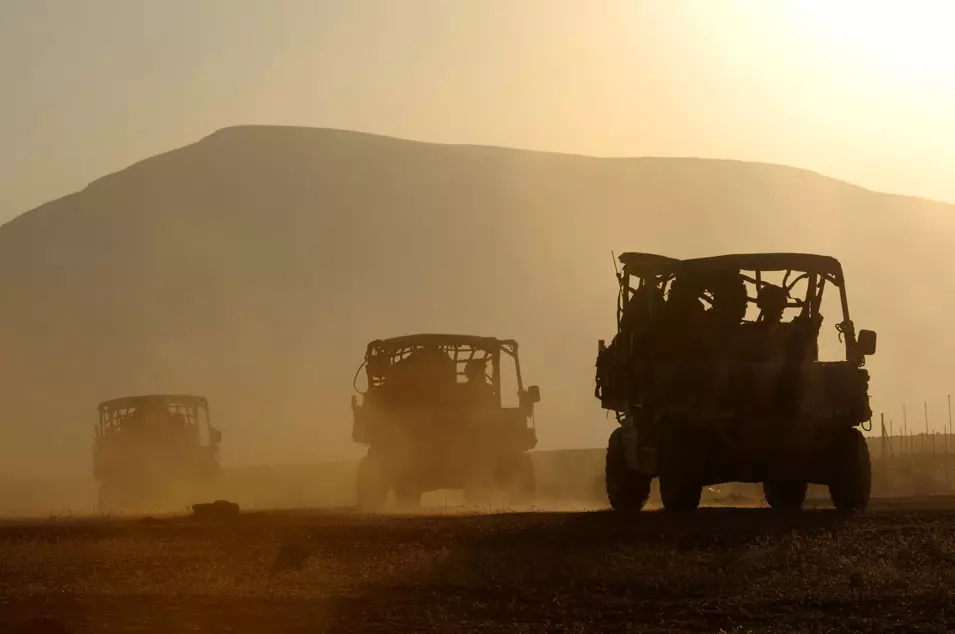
x=435, y=414
x=153, y=450
x=715, y=376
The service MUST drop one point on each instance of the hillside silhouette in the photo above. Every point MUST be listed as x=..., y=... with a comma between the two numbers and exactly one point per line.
x=254, y=265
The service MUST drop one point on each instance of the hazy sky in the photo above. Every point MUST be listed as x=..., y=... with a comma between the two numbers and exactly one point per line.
x=863, y=91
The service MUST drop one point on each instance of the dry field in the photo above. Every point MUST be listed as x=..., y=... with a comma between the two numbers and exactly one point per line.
x=734, y=570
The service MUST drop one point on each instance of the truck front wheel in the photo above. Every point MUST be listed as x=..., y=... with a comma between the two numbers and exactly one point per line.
x=372, y=488
x=627, y=489
x=850, y=480
x=520, y=481
x=785, y=496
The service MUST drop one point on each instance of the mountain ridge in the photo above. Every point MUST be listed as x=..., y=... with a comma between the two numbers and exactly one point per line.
x=257, y=128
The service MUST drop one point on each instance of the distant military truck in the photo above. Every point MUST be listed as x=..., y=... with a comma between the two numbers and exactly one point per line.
x=714, y=375
x=435, y=415
x=153, y=449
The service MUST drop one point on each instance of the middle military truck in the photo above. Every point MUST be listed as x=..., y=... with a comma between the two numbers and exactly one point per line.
x=444, y=411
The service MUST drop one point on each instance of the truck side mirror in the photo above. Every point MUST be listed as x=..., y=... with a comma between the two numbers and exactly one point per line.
x=215, y=436
x=865, y=343
x=533, y=394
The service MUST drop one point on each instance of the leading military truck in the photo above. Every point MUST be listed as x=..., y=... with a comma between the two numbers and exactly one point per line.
x=715, y=375
x=444, y=411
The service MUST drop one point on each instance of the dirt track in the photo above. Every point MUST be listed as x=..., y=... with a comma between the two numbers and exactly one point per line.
x=736, y=569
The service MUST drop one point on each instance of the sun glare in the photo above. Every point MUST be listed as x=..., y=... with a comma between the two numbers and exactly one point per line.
x=904, y=40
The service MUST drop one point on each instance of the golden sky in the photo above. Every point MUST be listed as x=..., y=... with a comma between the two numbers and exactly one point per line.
x=862, y=91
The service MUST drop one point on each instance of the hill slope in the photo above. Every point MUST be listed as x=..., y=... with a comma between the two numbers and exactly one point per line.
x=254, y=265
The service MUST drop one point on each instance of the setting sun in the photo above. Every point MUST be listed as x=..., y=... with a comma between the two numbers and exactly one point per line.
x=911, y=41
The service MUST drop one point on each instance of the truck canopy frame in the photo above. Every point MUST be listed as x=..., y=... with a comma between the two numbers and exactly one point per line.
x=382, y=354
x=113, y=413
x=816, y=270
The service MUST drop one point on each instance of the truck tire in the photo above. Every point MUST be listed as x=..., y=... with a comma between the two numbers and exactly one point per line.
x=682, y=459
x=477, y=495
x=407, y=491
x=105, y=504
x=408, y=498
x=114, y=498
x=785, y=496
x=516, y=477
x=627, y=489
x=679, y=494
x=372, y=489
x=850, y=480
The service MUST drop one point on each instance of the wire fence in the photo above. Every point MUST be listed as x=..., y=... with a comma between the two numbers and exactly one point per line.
x=914, y=456
x=925, y=439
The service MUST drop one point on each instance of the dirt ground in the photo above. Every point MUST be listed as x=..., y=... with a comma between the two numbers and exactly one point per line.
x=721, y=569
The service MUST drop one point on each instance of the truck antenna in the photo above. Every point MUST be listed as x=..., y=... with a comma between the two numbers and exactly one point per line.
x=614, y=259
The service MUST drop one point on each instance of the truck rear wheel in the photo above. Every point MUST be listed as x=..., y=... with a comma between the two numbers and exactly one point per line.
x=114, y=497
x=627, y=489
x=785, y=496
x=521, y=483
x=408, y=497
x=372, y=488
x=408, y=490
x=477, y=494
x=105, y=501
x=850, y=481
x=679, y=494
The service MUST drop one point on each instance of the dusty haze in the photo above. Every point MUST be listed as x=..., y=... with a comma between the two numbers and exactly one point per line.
x=230, y=199
x=857, y=90
x=254, y=265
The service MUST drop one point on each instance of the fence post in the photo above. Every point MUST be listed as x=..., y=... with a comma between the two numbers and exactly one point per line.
x=885, y=438
x=949, y=421
x=905, y=428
